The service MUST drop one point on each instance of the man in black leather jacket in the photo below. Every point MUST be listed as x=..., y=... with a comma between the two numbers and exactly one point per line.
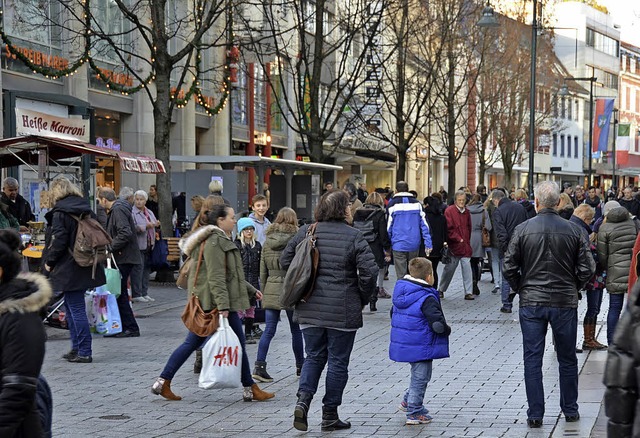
x=547, y=262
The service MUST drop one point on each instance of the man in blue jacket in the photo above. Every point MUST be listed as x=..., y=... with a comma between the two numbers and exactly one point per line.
x=407, y=227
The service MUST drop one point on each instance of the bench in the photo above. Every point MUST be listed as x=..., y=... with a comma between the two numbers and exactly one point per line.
x=174, y=251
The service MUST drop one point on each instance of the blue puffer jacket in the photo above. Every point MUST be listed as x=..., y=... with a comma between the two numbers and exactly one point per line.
x=407, y=224
x=412, y=340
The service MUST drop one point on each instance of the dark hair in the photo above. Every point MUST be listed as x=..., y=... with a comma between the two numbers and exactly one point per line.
x=332, y=206
x=9, y=259
x=414, y=193
x=402, y=186
x=350, y=187
x=107, y=193
x=217, y=212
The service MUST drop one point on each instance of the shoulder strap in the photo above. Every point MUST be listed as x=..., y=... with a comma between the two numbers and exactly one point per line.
x=311, y=231
x=482, y=218
x=199, y=262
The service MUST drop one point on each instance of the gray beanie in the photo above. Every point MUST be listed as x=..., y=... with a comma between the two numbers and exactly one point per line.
x=609, y=206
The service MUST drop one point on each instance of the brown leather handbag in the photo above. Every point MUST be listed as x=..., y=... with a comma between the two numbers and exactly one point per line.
x=486, y=236
x=198, y=321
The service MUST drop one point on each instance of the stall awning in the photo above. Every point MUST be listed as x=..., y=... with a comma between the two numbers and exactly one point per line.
x=27, y=150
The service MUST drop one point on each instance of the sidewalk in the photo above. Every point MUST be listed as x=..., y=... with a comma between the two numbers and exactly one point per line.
x=478, y=391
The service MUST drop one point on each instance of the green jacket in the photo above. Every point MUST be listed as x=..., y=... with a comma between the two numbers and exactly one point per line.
x=616, y=237
x=271, y=273
x=219, y=282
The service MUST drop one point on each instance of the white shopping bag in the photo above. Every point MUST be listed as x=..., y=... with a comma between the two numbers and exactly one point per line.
x=221, y=359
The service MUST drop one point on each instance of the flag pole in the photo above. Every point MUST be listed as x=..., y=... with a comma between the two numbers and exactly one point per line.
x=615, y=134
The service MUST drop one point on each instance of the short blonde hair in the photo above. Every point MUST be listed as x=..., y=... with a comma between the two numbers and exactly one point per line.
x=420, y=268
x=585, y=212
x=62, y=187
x=375, y=198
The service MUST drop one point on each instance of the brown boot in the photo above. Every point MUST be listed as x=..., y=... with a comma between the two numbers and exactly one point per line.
x=259, y=394
x=590, y=342
x=163, y=387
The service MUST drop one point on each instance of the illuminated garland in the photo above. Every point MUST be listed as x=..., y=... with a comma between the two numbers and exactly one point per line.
x=53, y=73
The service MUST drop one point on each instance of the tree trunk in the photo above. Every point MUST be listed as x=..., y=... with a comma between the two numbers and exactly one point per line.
x=162, y=125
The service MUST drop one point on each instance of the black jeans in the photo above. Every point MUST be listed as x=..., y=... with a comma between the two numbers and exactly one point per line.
x=435, y=261
x=124, y=307
x=475, y=268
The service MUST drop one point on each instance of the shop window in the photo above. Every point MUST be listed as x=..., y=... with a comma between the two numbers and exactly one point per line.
x=239, y=97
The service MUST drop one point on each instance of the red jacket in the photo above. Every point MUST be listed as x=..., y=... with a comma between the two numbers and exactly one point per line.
x=458, y=231
x=633, y=270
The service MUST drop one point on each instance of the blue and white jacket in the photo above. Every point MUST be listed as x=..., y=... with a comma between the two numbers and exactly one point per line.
x=419, y=330
x=407, y=224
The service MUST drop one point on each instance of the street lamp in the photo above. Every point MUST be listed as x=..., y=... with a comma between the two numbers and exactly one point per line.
x=564, y=91
x=488, y=20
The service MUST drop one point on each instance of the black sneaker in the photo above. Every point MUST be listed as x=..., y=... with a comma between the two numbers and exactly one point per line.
x=572, y=418
x=534, y=424
x=372, y=307
x=249, y=339
x=256, y=331
x=80, y=359
x=261, y=375
x=505, y=310
x=70, y=354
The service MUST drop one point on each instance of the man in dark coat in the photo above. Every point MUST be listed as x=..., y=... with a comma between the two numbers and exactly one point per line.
x=18, y=206
x=547, y=262
x=629, y=202
x=121, y=228
x=507, y=216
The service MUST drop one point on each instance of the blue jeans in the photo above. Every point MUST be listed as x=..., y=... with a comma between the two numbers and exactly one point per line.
x=534, y=321
x=505, y=288
x=193, y=342
x=594, y=300
x=414, y=396
x=126, y=313
x=271, y=318
x=326, y=345
x=78, y=322
x=140, y=275
x=615, y=308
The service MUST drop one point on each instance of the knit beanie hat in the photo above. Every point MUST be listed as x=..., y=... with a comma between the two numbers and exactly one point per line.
x=609, y=206
x=245, y=222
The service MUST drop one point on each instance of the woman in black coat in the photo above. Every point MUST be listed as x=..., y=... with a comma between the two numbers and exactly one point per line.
x=371, y=220
x=22, y=339
x=329, y=319
x=64, y=273
x=438, y=227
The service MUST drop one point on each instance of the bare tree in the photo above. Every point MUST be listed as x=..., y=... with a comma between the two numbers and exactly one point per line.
x=315, y=53
x=160, y=45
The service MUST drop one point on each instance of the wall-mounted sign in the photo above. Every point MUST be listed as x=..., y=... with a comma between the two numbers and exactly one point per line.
x=140, y=164
x=36, y=123
x=107, y=143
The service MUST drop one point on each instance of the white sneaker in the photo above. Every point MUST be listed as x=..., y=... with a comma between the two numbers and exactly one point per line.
x=148, y=298
x=139, y=299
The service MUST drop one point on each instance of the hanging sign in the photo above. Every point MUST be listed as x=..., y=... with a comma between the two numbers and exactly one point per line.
x=36, y=123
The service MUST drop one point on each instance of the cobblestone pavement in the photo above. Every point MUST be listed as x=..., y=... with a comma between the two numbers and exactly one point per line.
x=478, y=391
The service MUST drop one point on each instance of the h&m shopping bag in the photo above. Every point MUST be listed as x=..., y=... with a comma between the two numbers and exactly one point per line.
x=107, y=315
x=221, y=359
x=114, y=279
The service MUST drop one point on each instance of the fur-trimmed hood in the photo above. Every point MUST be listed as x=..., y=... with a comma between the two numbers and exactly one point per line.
x=190, y=242
x=28, y=292
x=282, y=228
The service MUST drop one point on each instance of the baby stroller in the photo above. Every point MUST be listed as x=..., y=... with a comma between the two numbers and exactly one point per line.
x=55, y=312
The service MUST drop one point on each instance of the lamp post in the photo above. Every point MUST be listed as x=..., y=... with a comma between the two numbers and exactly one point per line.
x=488, y=20
x=564, y=92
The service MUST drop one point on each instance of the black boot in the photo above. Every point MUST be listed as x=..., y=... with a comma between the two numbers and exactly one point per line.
x=476, y=289
x=302, y=410
x=330, y=420
x=260, y=372
x=248, y=328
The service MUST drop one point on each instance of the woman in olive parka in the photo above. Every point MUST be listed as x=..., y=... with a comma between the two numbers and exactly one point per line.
x=272, y=276
x=219, y=283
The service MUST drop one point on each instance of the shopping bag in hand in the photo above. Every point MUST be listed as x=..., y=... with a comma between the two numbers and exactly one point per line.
x=221, y=359
x=114, y=279
x=88, y=305
x=105, y=307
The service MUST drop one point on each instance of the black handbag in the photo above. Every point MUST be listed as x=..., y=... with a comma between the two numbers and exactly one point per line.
x=445, y=255
x=301, y=275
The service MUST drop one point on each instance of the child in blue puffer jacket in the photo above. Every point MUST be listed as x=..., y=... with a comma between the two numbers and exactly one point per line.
x=419, y=334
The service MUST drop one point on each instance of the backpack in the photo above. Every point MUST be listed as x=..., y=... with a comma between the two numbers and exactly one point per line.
x=301, y=276
x=92, y=241
x=366, y=227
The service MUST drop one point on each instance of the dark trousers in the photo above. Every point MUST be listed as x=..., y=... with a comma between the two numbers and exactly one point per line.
x=475, y=269
x=324, y=345
x=594, y=301
x=616, y=301
x=435, y=261
x=124, y=307
x=534, y=321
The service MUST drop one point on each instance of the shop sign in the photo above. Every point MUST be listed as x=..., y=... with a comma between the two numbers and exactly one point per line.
x=107, y=143
x=37, y=123
x=38, y=58
x=141, y=164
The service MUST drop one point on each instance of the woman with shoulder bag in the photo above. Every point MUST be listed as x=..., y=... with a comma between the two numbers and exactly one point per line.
x=479, y=219
x=272, y=276
x=217, y=280
x=330, y=317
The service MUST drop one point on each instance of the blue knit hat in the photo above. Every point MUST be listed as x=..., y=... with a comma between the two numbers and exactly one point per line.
x=245, y=222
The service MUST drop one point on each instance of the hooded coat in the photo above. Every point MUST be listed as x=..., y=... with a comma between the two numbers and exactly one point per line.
x=616, y=237
x=219, y=281
x=437, y=224
x=22, y=339
x=66, y=275
x=382, y=242
x=477, y=213
x=271, y=272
